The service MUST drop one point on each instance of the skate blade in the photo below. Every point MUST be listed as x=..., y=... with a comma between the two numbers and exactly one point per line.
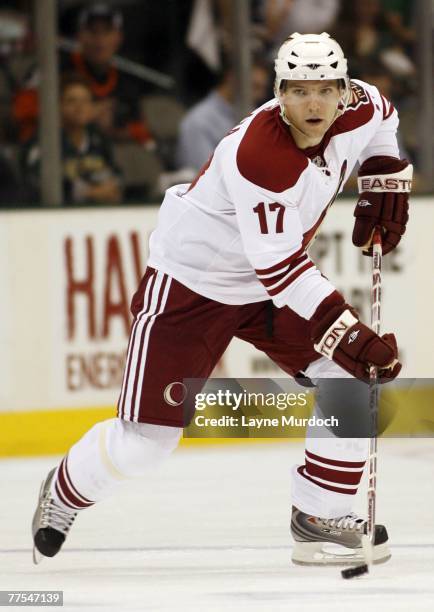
x=37, y=556
x=325, y=554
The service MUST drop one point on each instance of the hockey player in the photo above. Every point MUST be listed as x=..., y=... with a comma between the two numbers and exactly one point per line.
x=227, y=244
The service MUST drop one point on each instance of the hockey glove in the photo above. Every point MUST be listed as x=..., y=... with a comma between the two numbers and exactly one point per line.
x=340, y=336
x=384, y=184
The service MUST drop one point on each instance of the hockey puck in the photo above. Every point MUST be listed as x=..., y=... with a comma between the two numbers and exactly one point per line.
x=352, y=572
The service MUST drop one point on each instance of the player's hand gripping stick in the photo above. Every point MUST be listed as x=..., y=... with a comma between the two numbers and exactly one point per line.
x=339, y=335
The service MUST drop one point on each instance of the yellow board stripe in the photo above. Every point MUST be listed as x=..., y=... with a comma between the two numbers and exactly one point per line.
x=48, y=432
x=52, y=432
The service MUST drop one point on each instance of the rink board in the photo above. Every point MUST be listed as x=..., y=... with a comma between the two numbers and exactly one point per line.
x=67, y=280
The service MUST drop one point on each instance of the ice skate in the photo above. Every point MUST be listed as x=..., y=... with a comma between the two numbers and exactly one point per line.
x=335, y=541
x=51, y=523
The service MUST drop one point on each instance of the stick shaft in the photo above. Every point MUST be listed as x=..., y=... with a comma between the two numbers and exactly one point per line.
x=373, y=384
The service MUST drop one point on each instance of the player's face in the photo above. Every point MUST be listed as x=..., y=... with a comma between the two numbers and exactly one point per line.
x=311, y=106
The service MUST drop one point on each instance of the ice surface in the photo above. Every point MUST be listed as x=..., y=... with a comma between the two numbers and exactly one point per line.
x=209, y=532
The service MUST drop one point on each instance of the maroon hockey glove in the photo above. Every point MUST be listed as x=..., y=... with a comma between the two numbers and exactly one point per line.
x=384, y=184
x=339, y=335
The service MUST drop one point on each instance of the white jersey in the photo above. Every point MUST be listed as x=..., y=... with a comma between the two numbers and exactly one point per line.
x=239, y=233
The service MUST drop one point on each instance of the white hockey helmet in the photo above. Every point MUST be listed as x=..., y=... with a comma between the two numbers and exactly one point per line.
x=311, y=57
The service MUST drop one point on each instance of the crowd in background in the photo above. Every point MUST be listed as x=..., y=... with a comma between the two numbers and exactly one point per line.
x=127, y=135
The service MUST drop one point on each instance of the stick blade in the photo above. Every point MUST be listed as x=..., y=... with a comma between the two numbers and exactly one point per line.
x=368, y=549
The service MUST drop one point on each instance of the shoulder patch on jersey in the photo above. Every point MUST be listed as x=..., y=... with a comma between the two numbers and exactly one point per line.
x=359, y=111
x=267, y=155
x=358, y=96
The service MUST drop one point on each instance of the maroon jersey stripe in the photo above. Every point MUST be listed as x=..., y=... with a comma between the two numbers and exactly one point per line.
x=62, y=497
x=282, y=264
x=291, y=279
x=391, y=109
x=277, y=277
x=142, y=341
x=383, y=100
x=300, y=470
x=333, y=475
x=68, y=494
x=71, y=486
x=348, y=464
x=131, y=344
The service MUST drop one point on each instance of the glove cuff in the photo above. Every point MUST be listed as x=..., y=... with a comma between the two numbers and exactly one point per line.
x=396, y=182
x=330, y=340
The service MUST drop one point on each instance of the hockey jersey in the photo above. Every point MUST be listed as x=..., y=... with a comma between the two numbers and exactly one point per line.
x=240, y=232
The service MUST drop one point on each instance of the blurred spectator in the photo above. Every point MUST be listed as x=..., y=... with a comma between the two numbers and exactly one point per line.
x=89, y=173
x=210, y=120
x=393, y=89
x=376, y=74
x=116, y=94
x=16, y=54
x=12, y=191
x=364, y=32
x=400, y=18
x=283, y=17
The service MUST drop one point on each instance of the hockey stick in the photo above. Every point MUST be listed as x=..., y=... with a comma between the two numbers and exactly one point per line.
x=368, y=539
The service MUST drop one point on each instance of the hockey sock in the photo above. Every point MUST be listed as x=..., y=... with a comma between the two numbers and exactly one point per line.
x=108, y=454
x=326, y=484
